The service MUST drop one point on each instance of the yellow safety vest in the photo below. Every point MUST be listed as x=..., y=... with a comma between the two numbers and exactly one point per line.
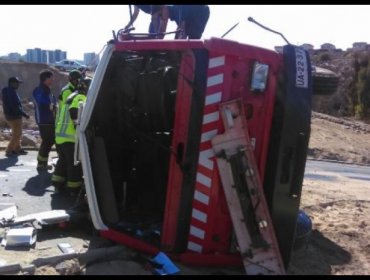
x=65, y=130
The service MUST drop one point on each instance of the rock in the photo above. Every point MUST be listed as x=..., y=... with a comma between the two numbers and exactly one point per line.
x=68, y=267
x=29, y=140
x=10, y=269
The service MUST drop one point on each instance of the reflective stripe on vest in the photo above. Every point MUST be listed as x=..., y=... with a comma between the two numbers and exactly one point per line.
x=65, y=129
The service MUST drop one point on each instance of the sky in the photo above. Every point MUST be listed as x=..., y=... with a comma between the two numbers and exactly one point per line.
x=86, y=28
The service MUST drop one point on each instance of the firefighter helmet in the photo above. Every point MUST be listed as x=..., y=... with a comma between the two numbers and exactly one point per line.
x=75, y=75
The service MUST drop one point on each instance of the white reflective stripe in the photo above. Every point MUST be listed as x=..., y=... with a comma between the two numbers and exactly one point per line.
x=201, y=197
x=37, y=117
x=194, y=247
x=206, y=136
x=215, y=80
x=211, y=117
x=66, y=119
x=213, y=98
x=216, y=61
x=203, y=180
x=197, y=232
x=204, y=158
x=200, y=216
x=65, y=135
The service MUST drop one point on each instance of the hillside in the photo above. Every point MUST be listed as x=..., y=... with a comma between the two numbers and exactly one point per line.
x=29, y=73
x=352, y=97
x=339, y=139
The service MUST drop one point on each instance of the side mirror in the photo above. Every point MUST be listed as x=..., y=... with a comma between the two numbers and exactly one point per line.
x=259, y=77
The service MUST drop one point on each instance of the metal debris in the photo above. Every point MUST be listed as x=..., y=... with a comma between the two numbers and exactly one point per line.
x=19, y=237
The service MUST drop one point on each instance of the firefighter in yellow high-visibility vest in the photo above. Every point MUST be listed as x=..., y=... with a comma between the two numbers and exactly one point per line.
x=67, y=176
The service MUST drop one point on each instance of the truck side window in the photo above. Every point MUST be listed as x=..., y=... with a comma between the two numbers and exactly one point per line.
x=259, y=77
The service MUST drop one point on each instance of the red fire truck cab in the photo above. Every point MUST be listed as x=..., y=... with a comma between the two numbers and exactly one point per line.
x=151, y=176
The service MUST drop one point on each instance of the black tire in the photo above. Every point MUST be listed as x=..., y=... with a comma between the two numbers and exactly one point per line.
x=324, y=82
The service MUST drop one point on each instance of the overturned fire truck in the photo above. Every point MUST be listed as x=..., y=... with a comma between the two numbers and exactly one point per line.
x=159, y=177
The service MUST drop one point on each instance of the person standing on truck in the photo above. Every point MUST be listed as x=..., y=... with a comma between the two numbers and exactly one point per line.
x=190, y=19
x=14, y=112
x=45, y=110
x=154, y=23
x=66, y=176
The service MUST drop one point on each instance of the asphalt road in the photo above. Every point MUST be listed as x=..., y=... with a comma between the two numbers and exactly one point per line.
x=21, y=184
x=318, y=169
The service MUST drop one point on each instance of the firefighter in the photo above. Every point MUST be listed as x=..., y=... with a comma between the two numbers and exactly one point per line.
x=66, y=176
x=45, y=110
x=73, y=102
x=190, y=19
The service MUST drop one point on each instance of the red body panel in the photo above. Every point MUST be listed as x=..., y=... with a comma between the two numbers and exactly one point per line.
x=228, y=78
x=180, y=135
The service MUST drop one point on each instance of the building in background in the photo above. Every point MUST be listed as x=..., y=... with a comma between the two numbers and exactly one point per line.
x=14, y=56
x=328, y=46
x=60, y=55
x=38, y=55
x=91, y=59
x=44, y=56
x=51, y=57
x=359, y=46
x=31, y=55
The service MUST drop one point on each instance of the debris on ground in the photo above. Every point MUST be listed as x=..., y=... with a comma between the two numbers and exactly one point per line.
x=66, y=248
x=166, y=266
x=44, y=218
x=19, y=237
x=8, y=211
x=69, y=267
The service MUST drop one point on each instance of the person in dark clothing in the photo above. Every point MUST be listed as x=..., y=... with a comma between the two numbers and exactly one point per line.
x=45, y=109
x=14, y=112
x=154, y=23
x=191, y=19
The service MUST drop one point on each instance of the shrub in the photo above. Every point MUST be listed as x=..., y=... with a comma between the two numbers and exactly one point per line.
x=324, y=57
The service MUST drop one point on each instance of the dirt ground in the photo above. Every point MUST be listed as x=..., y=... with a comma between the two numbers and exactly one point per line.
x=339, y=244
x=339, y=139
x=339, y=208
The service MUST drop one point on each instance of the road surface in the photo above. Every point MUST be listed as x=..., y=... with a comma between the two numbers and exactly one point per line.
x=21, y=184
x=31, y=192
x=317, y=169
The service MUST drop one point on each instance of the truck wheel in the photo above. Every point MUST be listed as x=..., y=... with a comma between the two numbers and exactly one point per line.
x=324, y=82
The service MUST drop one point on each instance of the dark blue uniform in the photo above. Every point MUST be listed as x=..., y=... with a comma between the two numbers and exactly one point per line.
x=195, y=17
x=148, y=10
x=12, y=105
x=45, y=105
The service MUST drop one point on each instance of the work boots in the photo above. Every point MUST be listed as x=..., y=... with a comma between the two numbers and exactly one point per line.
x=43, y=166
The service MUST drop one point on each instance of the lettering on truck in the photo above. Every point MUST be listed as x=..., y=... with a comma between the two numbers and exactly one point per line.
x=301, y=80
